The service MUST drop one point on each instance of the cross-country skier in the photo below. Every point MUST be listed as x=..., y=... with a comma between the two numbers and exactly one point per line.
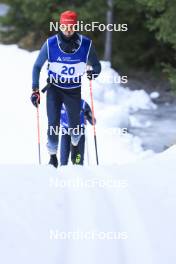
x=67, y=54
x=77, y=152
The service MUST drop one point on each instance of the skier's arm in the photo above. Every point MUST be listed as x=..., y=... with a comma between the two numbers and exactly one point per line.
x=94, y=62
x=41, y=59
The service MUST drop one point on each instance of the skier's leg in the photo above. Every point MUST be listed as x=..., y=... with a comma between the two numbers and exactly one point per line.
x=72, y=101
x=65, y=149
x=77, y=152
x=74, y=154
x=54, y=103
x=81, y=148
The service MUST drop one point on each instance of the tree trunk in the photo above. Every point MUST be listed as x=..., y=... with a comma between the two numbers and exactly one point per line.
x=108, y=35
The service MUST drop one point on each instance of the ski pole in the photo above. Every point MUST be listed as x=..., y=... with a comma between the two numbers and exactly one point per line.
x=93, y=122
x=87, y=147
x=38, y=134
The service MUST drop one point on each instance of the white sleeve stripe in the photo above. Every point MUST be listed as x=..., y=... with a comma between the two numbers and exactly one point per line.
x=89, y=50
x=48, y=50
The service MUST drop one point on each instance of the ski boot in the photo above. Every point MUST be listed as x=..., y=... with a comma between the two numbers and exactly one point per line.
x=75, y=155
x=53, y=160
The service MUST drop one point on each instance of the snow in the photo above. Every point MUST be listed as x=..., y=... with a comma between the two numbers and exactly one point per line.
x=154, y=95
x=137, y=123
x=3, y=9
x=47, y=215
x=109, y=91
x=65, y=215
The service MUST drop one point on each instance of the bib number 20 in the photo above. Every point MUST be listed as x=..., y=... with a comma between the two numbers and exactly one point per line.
x=68, y=70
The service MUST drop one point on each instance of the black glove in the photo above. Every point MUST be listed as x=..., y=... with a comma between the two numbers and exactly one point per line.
x=90, y=74
x=35, y=98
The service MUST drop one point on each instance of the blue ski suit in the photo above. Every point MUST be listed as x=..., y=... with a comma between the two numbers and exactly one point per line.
x=85, y=114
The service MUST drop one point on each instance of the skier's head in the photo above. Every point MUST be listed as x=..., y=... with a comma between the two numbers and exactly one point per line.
x=68, y=20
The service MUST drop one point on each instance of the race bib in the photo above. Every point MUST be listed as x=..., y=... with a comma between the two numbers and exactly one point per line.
x=68, y=70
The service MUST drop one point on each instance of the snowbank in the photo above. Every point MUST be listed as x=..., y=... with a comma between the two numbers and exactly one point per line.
x=46, y=215
x=116, y=102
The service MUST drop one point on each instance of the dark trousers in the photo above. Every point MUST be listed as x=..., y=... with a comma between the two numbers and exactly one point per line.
x=55, y=98
x=66, y=148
